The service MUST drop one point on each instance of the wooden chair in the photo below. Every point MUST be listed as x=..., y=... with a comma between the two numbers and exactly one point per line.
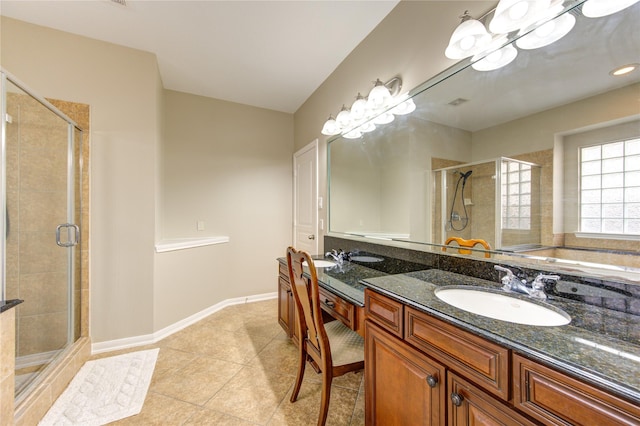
x=333, y=347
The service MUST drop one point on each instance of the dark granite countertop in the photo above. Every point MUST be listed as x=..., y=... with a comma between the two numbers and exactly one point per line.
x=8, y=304
x=600, y=346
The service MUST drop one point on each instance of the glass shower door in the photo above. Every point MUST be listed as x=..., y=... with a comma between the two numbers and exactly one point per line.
x=42, y=267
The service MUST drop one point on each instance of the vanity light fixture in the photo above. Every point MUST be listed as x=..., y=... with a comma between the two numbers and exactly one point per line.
x=547, y=33
x=512, y=15
x=353, y=134
x=538, y=22
x=330, y=127
x=500, y=57
x=624, y=70
x=468, y=38
x=359, y=108
x=404, y=108
x=599, y=8
x=344, y=117
x=379, y=107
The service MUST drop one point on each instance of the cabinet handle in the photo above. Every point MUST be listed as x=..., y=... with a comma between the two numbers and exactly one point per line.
x=329, y=303
x=457, y=399
x=432, y=381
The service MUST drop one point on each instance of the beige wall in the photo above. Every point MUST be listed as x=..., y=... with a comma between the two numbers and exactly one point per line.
x=161, y=161
x=409, y=43
x=538, y=132
x=230, y=166
x=121, y=87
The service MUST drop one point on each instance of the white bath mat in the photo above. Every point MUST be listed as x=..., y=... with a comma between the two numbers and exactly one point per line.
x=105, y=390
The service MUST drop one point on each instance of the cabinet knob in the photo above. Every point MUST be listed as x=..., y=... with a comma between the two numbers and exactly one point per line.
x=329, y=303
x=432, y=381
x=457, y=399
x=312, y=237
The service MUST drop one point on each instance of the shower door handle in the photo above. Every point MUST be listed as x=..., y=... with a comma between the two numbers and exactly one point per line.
x=72, y=239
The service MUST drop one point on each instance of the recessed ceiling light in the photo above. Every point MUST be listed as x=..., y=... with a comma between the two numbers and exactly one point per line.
x=625, y=69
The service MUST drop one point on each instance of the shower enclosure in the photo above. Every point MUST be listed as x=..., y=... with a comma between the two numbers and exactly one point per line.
x=496, y=201
x=40, y=208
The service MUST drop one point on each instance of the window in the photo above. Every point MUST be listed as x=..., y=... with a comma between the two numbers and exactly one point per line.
x=610, y=188
x=516, y=195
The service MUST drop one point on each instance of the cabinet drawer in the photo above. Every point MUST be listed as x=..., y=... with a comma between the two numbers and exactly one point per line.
x=385, y=312
x=481, y=361
x=337, y=308
x=555, y=398
x=468, y=405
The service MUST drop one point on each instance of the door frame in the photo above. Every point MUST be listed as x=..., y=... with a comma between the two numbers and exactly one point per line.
x=313, y=145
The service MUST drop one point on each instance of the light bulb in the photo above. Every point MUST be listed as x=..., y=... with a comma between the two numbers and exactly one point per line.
x=598, y=8
x=405, y=107
x=547, y=33
x=467, y=39
x=330, y=127
x=378, y=95
x=384, y=118
x=352, y=134
x=518, y=10
x=512, y=15
x=497, y=59
x=359, y=107
x=367, y=127
x=343, y=118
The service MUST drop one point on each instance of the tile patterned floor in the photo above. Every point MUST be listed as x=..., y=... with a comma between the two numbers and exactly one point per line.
x=237, y=367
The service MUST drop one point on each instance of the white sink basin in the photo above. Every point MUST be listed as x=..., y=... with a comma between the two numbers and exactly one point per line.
x=366, y=259
x=318, y=263
x=502, y=306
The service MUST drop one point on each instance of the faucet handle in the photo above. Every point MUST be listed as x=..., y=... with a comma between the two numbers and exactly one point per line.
x=505, y=270
x=507, y=279
x=538, y=283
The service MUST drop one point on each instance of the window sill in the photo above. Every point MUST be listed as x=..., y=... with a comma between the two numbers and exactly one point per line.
x=602, y=236
x=187, y=243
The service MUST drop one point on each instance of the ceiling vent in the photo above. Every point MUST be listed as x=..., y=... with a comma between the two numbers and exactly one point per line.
x=458, y=101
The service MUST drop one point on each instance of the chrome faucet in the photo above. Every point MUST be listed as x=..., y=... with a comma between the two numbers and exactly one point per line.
x=339, y=256
x=512, y=283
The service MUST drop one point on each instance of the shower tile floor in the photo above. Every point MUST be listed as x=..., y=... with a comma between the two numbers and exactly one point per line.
x=237, y=367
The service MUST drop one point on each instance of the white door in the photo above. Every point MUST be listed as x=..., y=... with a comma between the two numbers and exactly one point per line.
x=305, y=198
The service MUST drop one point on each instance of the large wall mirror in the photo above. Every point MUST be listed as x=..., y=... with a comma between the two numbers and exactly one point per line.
x=539, y=159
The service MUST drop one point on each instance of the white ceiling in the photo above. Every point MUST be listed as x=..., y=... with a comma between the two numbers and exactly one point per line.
x=269, y=54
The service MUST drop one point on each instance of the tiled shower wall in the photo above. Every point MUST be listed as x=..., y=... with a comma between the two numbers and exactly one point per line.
x=40, y=281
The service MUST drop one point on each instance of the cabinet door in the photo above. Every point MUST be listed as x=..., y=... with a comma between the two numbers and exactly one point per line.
x=403, y=387
x=285, y=300
x=468, y=405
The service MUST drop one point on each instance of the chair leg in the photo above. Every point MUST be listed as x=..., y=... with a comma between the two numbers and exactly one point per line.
x=300, y=375
x=326, y=396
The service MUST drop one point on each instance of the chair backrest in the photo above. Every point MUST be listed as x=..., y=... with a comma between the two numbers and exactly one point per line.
x=462, y=243
x=306, y=295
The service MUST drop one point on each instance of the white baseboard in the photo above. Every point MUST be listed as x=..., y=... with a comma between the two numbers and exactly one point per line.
x=147, y=339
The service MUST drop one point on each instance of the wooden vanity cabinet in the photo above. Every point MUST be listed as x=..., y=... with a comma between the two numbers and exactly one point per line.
x=480, y=382
x=401, y=386
x=476, y=358
x=470, y=405
x=554, y=398
x=286, y=304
